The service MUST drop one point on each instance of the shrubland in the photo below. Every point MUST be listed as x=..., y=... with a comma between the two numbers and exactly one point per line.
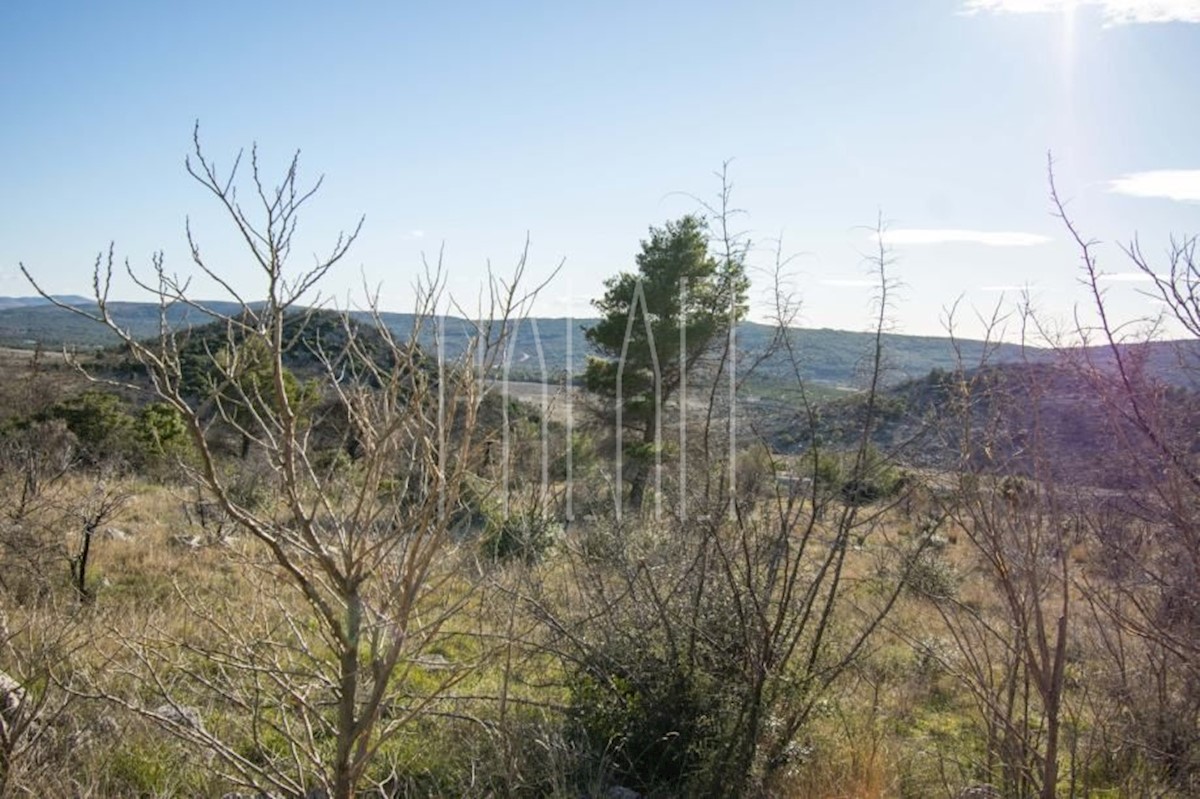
x=291, y=553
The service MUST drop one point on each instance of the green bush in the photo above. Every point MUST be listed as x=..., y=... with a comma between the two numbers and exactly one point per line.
x=873, y=480
x=160, y=437
x=657, y=679
x=105, y=429
x=525, y=536
x=102, y=424
x=928, y=575
x=652, y=723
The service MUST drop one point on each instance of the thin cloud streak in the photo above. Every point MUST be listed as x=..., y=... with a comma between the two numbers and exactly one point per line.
x=1125, y=277
x=956, y=236
x=1115, y=12
x=1181, y=185
x=856, y=283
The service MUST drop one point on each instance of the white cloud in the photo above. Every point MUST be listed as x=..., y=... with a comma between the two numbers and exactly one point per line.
x=954, y=236
x=567, y=305
x=1182, y=185
x=415, y=234
x=857, y=283
x=1115, y=12
x=1125, y=277
x=1004, y=289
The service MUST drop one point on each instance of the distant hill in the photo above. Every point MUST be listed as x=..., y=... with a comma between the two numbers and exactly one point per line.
x=312, y=336
x=830, y=358
x=25, y=302
x=51, y=326
x=1045, y=419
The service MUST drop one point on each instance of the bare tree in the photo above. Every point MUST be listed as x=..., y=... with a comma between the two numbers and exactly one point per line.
x=101, y=506
x=350, y=541
x=699, y=648
x=1145, y=593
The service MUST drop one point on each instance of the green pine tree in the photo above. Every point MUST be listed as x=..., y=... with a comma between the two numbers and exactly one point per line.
x=678, y=286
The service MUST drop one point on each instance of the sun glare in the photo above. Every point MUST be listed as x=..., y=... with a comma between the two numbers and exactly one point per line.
x=1069, y=8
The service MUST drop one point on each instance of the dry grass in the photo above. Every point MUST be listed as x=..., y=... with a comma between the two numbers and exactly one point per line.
x=898, y=726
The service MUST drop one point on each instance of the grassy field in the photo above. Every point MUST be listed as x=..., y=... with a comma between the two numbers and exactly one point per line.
x=817, y=623
x=485, y=693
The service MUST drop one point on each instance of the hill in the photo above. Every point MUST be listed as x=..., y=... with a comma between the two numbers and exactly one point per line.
x=828, y=357
x=543, y=348
x=25, y=302
x=27, y=325
x=1048, y=420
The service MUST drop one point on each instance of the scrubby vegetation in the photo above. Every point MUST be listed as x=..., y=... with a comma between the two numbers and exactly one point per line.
x=293, y=553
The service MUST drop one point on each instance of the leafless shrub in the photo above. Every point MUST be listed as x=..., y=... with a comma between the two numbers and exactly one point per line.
x=317, y=659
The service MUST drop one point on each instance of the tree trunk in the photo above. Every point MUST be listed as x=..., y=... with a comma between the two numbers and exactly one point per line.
x=1050, y=766
x=640, y=473
x=1053, y=703
x=637, y=489
x=79, y=564
x=344, y=776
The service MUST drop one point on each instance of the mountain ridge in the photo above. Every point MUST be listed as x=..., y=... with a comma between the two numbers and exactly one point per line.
x=833, y=358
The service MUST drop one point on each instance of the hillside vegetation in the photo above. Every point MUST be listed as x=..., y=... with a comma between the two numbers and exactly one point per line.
x=276, y=552
x=832, y=357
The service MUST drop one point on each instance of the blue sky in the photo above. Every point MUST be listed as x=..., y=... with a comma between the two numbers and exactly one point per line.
x=466, y=126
